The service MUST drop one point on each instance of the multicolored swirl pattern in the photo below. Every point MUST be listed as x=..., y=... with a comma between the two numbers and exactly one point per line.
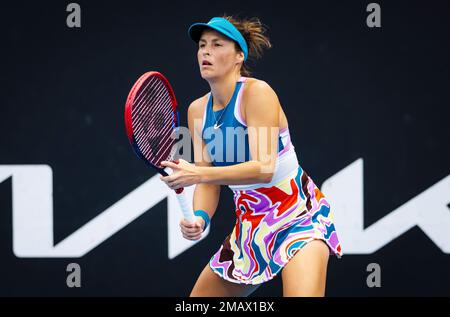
x=272, y=224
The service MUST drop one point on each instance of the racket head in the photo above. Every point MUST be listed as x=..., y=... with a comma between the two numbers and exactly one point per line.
x=151, y=119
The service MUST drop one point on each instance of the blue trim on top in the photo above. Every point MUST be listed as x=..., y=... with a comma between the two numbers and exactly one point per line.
x=219, y=154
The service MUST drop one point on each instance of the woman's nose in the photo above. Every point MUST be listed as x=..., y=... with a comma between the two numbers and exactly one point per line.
x=205, y=51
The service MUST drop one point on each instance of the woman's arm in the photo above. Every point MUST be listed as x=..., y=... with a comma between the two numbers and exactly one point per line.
x=206, y=196
x=262, y=111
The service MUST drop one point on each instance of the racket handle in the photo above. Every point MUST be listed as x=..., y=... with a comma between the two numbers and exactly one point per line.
x=185, y=206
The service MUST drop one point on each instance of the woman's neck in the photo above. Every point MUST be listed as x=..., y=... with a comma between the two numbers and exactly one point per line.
x=222, y=91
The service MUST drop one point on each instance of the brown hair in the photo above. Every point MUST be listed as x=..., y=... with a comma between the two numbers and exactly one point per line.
x=253, y=32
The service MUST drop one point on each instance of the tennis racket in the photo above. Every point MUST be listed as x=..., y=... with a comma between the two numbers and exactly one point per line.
x=151, y=121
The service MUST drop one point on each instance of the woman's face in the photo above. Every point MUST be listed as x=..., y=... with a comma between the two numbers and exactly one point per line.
x=217, y=55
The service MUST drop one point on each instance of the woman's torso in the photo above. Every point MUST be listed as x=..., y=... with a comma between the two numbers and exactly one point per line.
x=224, y=131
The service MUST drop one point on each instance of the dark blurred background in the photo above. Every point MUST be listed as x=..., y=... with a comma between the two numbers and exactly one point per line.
x=349, y=91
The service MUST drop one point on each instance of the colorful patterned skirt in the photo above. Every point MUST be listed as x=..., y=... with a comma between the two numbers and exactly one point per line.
x=272, y=224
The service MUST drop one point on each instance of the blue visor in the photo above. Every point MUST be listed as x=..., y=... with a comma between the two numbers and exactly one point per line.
x=223, y=26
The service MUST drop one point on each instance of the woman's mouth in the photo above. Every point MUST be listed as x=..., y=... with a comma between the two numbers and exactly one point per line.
x=206, y=63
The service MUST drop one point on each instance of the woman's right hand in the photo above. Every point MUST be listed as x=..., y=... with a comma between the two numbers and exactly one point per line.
x=192, y=230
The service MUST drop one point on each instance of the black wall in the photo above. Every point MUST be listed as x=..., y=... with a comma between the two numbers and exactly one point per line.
x=349, y=92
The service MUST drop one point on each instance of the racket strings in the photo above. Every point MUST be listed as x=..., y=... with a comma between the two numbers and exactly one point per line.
x=156, y=90
x=153, y=118
x=160, y=130
x=146, y=100
x=161, y=106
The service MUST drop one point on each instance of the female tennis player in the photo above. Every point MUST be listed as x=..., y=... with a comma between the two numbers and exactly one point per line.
x=283, y=221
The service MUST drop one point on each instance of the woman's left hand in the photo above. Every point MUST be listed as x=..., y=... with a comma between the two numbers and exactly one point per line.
x=184, y=174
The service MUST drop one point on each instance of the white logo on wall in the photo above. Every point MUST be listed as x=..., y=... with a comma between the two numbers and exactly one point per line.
x=32, y=207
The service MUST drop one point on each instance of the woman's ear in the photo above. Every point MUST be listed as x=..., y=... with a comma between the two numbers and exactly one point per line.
x=241, y=57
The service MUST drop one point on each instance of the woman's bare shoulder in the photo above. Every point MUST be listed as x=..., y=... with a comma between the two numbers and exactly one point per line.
x=197, y=107
x=256, y=86
x=258, y=90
